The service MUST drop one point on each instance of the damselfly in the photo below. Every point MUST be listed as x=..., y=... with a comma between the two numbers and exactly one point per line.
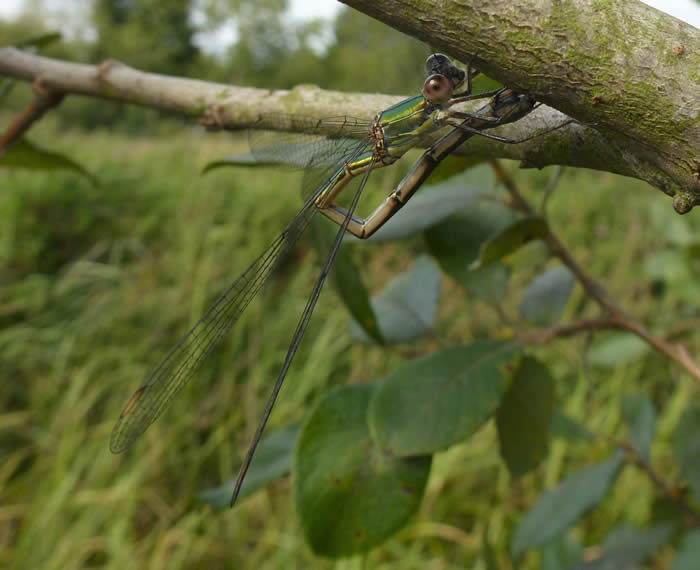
x=333, y=162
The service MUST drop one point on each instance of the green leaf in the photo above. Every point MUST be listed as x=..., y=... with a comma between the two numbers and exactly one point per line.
x=563, y=506
x=561, y=554
x=686, y=447
x=639, y=414
x=488, y=551
x=510, y=239
x=524, y=417
x=271, y=462
x=23, y=154
x=546, y=295
x=407, y=308
x=533, y=254
x=617, y=349
x=435, y=401
x=453, y=166
x=481, y=83
x=350, y=493
x=6, y=85
x=346, y=279
x=250, y=160
x=568, y=428
x=429, y=206
x=39, y=41
x=688, y=552
x=243, y=159
x=674, y=269
x=455, y=244
x=626, y=548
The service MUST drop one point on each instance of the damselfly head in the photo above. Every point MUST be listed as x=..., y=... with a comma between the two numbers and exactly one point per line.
x=440, y=64
x=437, y=89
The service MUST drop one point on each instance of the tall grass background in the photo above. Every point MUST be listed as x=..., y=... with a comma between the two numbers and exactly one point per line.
x=98, y=282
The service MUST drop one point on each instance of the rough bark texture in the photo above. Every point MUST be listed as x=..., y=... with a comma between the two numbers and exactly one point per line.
x=232, y=107
x=628, y=68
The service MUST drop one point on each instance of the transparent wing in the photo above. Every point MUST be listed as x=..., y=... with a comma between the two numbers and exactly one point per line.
x=176, y=369
x=298, y=334
x=313, y=144
x=168, y=378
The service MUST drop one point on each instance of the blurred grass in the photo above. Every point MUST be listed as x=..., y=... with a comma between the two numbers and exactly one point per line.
x=97, y=283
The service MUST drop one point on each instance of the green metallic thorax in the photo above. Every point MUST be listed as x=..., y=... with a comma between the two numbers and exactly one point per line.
x=400, y=129
x=404, y=123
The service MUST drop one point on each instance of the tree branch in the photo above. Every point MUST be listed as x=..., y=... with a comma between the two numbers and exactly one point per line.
x=232, y=107
x=628, y=68
x=45, y=100
x=633, y=456
x=617, y=318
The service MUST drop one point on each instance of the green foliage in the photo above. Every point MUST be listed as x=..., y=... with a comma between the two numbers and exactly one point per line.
x=545, y=297
x=429, y=207
x=368, y=53
x=524, y=417
x=688, y=552
x=272, y=461
x=456, y=242
x=438, y=400
x=640, y=416
x=24, y=154
x=351, y=502
x=347, y=280
x=510, y=239
x=99, y=282
x=618, y=349
x=407, y=307
x=627, y=547
x=561, y=554
x=568, y=428
x=149, y=34
x=558, y=509
x=686, y=445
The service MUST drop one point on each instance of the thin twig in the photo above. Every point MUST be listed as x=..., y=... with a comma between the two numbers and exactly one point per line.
x=634, y=457
x=543, y=336
x=617, y=318
x=45, y=99
x=549, y=189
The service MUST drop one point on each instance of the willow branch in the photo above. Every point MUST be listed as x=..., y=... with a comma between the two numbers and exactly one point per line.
x=617, y=318
x=544, y=336
x=45, y=100
x=636, y=458
x=619, y=64
x=232, y=107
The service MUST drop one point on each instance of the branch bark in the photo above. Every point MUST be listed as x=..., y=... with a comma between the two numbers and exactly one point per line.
x=628, y=68
x=45, y=100
x=225, y=106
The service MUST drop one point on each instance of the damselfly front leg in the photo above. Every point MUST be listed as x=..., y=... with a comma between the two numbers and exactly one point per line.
x=506, y=108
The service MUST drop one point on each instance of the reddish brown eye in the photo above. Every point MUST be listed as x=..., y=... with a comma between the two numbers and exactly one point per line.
x=437, y=89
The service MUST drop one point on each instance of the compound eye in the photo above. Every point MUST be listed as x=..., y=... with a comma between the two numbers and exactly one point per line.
x=435, y=61
x=437, y=89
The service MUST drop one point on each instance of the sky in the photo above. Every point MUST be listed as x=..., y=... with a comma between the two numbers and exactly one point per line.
x=687, y=10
